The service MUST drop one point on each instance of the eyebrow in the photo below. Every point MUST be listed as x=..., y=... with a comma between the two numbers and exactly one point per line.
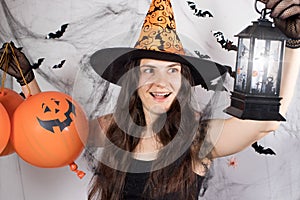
x=168, y=66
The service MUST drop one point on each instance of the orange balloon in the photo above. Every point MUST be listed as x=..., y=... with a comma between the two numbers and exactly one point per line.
x=10, y=100
x=49, y=130
x=4, y=128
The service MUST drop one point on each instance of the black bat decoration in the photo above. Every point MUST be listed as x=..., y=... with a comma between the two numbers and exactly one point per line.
x=58, y=33
x=198, y=12
x=225, y=43
x=262, y=150
x=38, y=64
x=49, y=124
x=201, y=55
x=59, y=65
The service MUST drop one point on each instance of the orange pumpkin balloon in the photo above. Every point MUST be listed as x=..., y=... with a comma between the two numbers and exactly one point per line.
x=49, y=130
x=4, y=128
x=10, y=100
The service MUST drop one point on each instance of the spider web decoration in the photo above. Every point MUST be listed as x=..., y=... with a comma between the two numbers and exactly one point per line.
x=48, y=53
x=85, y=35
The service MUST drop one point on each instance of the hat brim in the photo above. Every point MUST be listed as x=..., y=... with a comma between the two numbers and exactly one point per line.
x=109, y=64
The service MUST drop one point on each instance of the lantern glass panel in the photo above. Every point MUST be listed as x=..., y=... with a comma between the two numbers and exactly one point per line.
x=266, y=61
x=242, y=64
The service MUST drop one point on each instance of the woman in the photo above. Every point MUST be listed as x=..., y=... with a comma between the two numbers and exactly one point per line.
x=161, y=116
x=156, y=145
x=146, y=162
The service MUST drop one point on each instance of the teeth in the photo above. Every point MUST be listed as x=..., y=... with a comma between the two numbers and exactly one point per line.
x=165, y=94
x=160, y=94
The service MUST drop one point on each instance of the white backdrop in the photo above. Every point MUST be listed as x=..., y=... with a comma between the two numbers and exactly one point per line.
x=96, y=24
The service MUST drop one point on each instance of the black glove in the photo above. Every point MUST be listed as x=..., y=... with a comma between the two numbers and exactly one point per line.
x=24, y=64
x=286, y=15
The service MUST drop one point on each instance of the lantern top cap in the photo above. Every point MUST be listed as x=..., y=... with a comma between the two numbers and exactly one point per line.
x=262, y=29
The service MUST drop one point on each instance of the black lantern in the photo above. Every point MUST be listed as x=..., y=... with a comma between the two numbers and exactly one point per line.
x=258, y=72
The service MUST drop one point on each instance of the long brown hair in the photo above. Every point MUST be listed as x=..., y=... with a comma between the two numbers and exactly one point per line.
x=182, y=134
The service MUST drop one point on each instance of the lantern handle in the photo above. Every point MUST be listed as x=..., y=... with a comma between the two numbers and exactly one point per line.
x=263, y=12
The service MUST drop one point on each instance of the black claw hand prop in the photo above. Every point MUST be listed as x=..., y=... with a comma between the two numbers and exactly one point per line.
x=286, y=15
x=18, y=64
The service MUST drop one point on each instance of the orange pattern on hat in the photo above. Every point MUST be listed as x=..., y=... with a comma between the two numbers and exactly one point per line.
x=159, y=29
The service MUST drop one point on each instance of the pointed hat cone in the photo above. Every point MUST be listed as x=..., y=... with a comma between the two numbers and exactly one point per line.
x=159, y=29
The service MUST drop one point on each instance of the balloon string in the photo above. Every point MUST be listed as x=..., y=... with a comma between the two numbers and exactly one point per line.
x=20, y=70
x=4, y=53
x=4, y=61
x=4, y=74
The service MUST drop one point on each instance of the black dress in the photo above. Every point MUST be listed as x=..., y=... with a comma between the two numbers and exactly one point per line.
x=135, y=183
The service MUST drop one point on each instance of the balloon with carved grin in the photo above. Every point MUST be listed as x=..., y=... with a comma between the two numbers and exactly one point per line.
x=49, y=129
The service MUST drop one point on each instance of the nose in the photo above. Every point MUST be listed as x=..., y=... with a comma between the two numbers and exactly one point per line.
x=160, y=80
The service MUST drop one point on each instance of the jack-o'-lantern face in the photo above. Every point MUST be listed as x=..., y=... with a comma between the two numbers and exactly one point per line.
x=47, y=130
x=56, y=113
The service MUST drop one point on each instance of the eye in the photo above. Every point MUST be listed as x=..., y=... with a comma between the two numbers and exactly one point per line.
x=47, y=109
x=148, y=70
x=173, y=70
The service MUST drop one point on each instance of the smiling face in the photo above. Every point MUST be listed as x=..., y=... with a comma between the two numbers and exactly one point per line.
x=159, y=83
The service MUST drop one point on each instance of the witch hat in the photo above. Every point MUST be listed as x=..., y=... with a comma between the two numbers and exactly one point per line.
x=158, y=40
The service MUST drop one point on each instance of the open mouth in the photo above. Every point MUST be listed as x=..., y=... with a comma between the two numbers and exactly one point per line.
x=160, y=94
